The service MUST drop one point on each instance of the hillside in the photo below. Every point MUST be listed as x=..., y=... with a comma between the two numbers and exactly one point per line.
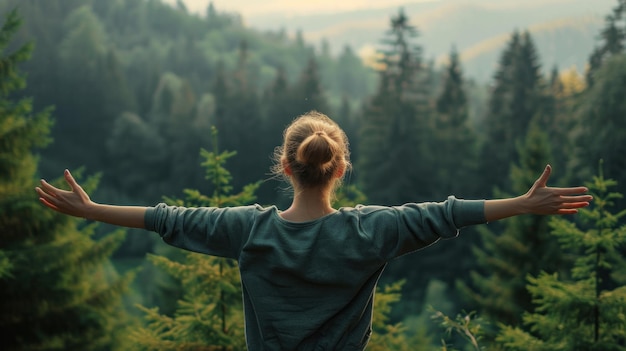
x=564, y=30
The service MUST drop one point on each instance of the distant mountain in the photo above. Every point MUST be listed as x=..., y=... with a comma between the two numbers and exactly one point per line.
x=565, y=31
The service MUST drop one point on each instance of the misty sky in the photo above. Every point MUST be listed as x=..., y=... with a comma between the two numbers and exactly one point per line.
x=249, y=8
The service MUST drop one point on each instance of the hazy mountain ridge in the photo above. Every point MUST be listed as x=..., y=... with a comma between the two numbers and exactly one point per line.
x=565, y=32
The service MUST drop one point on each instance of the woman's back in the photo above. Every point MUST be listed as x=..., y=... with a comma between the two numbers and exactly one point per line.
x=310, y=285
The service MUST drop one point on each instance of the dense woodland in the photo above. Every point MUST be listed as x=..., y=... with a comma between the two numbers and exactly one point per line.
x=149, y=103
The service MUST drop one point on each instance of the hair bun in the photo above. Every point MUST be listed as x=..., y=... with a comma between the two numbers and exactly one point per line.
x=316, y=149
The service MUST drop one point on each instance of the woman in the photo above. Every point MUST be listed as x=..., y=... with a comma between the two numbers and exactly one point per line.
x=309, y=273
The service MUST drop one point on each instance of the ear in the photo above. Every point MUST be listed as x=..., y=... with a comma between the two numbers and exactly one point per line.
x=286, y=167
x=340, y=171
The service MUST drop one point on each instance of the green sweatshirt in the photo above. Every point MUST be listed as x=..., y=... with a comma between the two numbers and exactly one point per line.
x=310, y=285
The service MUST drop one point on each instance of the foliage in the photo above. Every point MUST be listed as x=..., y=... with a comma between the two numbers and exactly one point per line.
x=613, y=40
x=137, y=84
x=585, y=309
x=455, y=154
x=209, y=315
x=58, y=290
x=517, y=97
x=602, y=126
x=467, y=325
x=394, y=128
x=522, y=247
x=386, y=336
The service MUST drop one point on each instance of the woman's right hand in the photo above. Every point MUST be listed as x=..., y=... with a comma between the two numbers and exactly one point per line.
x=78, y=204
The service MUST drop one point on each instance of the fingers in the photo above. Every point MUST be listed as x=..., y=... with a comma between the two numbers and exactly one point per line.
x=47, y=199
x=47, y=203
x=48, y=189
x=578, y=198
x=543, y=179
x=70, y=180
x=567, y=211
x=569, y=191
x=570, y=205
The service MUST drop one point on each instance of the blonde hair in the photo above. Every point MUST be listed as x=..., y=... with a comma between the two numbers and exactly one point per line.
x=315, y=148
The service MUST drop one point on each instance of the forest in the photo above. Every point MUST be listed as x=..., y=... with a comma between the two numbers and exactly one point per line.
x=147, y=103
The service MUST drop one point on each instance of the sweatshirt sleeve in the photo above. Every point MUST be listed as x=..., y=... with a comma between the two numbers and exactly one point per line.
x=208, y=230
x=403, y=229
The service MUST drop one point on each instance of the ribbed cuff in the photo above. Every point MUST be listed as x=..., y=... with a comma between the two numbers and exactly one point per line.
x=468, y=212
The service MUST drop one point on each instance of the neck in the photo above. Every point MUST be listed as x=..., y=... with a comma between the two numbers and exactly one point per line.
x=308, y=204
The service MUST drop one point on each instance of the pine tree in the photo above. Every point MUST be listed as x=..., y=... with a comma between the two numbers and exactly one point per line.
x=209, y=315
x=524, y=246
x=613, y=41
x=556, y=120
x=454, y=158
x=582, y=310
x=602, y=124
x=455, y=151
x=93, y=90
x=58, y=290
x=308, y=93
x=394, y=133
x=517, y=97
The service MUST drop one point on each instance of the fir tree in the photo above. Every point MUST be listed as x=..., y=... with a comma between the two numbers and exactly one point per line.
x=395, y=123
x=454, y=158
x=517, y=97
x=585, y=309
x=455, y=151
x=613, y=40
x=307, y=93
x=498, y=289
x=602, y=126
x=556, y=120
x=58, y=290
x=209, y=315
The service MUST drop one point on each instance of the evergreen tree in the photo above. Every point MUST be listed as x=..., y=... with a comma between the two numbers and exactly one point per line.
x=308, y=93
x=585, y=309
x=91, y=77
x=524, y=246
x=556, y=120
x=58, y=290
x=209, y=315
x=245, y=125
x=602, y=128
x=517, y=97
x=350, y=81
x=278, y=113
x=454, y=154
x=395, y=123
x=455, y=142
x=613, y=42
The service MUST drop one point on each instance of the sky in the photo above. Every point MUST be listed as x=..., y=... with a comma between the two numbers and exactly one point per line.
x=250, y=8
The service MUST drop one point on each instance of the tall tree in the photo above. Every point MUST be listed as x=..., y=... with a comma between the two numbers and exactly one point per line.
x=92, y=93
x=517, y=96
x=613, y=40
x=455, y=141
x=395, y=122
x=454, y=155
x=582, y=310
x=394, y=161
x=602, y=128
x=59, y=291
x=308, y=93
x=524, y=246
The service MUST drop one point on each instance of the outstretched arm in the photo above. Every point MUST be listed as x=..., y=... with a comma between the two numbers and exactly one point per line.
x=540, y=199
x=78, y=204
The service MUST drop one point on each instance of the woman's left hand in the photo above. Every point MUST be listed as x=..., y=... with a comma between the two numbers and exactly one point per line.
x=74, y=203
